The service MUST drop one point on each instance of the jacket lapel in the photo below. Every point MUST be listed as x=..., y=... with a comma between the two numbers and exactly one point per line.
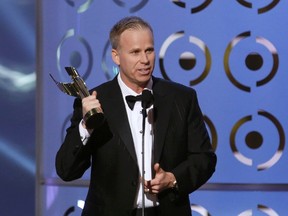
x=115, y=111
x=162, y=110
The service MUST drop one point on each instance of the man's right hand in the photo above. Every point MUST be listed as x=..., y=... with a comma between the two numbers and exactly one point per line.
x=89, y=103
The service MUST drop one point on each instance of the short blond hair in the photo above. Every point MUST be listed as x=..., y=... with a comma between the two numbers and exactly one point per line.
x=131, y=22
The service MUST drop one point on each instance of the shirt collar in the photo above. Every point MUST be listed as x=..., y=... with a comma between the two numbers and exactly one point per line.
x=128, y=91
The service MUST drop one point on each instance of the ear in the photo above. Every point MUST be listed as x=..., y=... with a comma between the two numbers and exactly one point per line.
x=115, y=56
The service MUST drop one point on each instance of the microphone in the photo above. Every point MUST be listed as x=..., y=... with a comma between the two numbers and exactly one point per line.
x=147, y=99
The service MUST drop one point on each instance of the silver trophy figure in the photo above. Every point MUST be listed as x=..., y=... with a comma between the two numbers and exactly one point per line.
x=77, y=88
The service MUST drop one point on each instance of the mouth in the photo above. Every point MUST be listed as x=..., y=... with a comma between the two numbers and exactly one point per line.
x=144, y=70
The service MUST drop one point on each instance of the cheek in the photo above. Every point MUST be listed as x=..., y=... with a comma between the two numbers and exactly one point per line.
x=130, y=63
x=128, y=66
x=126, y=63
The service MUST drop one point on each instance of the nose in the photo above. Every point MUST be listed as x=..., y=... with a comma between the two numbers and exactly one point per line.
x=144, y=58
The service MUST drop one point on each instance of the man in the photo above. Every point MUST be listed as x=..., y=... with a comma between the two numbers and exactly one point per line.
x=156, y=164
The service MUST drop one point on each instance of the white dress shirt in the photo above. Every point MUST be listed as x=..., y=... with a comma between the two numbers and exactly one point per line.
x=135, y=119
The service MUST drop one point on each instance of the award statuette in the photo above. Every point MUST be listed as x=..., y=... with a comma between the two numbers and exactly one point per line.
x=77, y=88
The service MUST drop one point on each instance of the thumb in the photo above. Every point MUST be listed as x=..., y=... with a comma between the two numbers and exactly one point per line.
x=157, y=168
x=94, y=93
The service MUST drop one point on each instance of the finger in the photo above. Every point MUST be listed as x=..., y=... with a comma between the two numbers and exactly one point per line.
x=154, y=192
x=154, y=189
x=148, y=184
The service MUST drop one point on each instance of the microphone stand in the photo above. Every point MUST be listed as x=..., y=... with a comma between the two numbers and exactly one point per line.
x=147, y=101
x=144, y=113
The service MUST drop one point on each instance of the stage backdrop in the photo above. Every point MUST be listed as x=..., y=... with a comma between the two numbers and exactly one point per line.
x=233, y=52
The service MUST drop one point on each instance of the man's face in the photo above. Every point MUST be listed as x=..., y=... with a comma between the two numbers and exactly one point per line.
x=135, y=57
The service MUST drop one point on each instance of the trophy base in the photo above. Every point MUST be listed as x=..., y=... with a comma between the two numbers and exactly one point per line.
x=93, y=119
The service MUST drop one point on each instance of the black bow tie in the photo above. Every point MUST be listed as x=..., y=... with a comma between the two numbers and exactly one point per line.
x=132, y=99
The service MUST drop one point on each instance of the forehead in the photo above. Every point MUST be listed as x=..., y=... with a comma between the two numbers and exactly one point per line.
x=136, y=36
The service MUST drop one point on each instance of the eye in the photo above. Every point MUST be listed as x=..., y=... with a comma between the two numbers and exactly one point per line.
x=135, y=52
x=150, y=50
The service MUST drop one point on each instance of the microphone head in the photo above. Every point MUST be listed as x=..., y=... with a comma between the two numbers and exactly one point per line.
x=147, y=99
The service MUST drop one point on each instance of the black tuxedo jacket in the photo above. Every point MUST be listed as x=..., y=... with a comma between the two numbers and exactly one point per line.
x=181, y=146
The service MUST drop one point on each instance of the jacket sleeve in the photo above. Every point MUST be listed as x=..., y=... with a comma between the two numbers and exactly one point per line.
x=73, y=158
x=200, y=161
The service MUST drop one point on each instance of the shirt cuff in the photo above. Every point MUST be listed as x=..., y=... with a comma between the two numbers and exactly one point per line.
x=84, y=134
